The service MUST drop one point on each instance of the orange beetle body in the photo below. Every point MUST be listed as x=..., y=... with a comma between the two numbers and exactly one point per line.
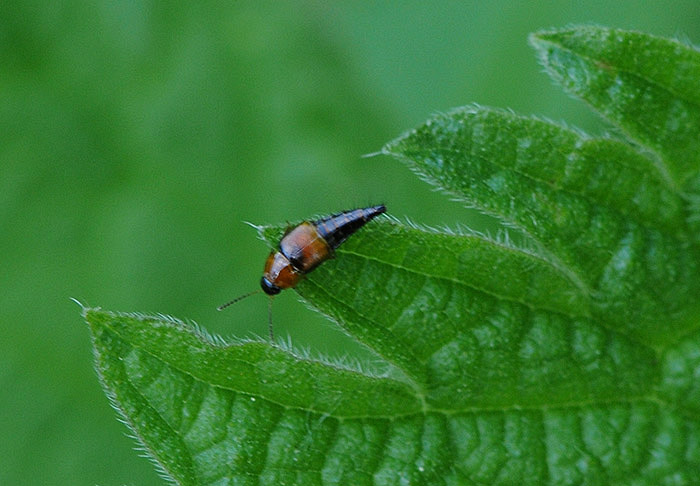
x=306, y=246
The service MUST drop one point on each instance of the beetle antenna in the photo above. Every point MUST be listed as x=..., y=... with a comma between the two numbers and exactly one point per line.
x=237, y=299
x=269, y=321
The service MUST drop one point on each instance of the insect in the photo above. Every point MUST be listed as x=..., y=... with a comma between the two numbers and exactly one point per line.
x=304, y=247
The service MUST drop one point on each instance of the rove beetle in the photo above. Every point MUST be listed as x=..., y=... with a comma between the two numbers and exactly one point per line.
x=304, y=247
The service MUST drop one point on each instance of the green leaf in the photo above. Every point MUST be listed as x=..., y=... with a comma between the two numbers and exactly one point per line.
x=206, y=410
x=598, y=211
x=646, y=85
x=570, y=357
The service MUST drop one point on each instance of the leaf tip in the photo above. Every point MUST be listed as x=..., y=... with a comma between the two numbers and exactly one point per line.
x=542, y=40
x=387, y=148
x=373, y=154
x=541, y=36
x=536, y=37
x=84, y=309
x=77, y=302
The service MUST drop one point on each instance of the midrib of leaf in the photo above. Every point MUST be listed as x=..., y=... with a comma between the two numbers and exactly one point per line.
x=535, y=255
x=680, y=235
x=410, y=360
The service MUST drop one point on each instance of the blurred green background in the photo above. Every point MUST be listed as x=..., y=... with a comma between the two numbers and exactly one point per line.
x=138, y=136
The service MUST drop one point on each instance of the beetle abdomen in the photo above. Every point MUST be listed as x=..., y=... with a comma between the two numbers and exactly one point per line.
x=335, y=229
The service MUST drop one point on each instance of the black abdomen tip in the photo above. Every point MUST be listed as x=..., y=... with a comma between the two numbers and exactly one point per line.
x=337, y=228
